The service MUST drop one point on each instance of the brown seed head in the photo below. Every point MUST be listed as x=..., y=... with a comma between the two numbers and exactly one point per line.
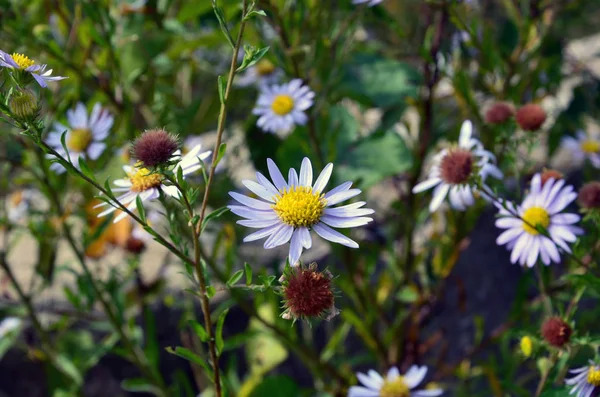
x=308, y=293
x=457, y=166
x=556, y=332
x=155, y=147
x=499, y=113
x=135, y=245
x=589, y=195
x=530, y=117
x=550, y=174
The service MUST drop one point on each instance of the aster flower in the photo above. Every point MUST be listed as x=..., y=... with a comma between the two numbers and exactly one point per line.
x=289, y=210
x=84, y=135
x=22, y=63
x=143, y=183
x=453, y=170
x=281, y=107
x=585, y=380
x=263, y=73
x=370, y=3
x=583, y=147
x=393, y=384
x=541, y=208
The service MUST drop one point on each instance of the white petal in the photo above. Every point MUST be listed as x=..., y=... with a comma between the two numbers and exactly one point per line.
x=259, y=223
x=415, y=376
x=329, y=234
x=359, y=391
x=341, y=196
x=250, y=202
x=259, y=190
x=509, y=235
x=335, y=221
x=280, y=236
x=249, y=213
x=305, y=237
x=426, y=184
x=370, y=382
x=439, y=194
x=323, y=179
x=295, y=247
x=466, y=130
x=306, y=173
x=262, y=233
x=276, y=175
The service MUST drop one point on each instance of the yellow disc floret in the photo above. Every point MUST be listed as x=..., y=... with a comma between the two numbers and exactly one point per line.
x=143, y=179
x=22, y=60
x=298, y=206
x=590, y=146
x=79, y=139
x=282, y=104
x=395, y=388
x=593, y=377
x=534, y=217
x=264, y=67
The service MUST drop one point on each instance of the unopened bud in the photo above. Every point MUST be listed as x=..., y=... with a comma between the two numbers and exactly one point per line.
x=23, y=105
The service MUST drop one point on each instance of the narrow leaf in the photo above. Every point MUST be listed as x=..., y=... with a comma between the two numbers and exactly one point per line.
x=248, y=271
x=219, y=331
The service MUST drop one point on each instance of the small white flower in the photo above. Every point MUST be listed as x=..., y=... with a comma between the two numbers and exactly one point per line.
x=453, y=169
x=281, y=107
x=84, y=136
x=584, y=147
x=369, y=3
x=585, y=381
x=147, y=185
x=541, y=208
x=8, y=325
x=263, y=73
x=393, y=384
x=191, y=142
x=289, y=210
x=20, y=62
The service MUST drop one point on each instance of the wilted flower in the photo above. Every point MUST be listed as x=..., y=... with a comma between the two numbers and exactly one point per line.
x=290, y=209
x=499, y=113
x=148, y=185
x=281, y=107
x=155, y=147
x=589, y=195
x=585, y=381
x=393, y=385
x=530, y=117
x=584, y=147
x=556, y=331
x=23, y=66
x=84, y=136
x=23, y=104
x=454, y=168
x=540, y=209
x=308, y=293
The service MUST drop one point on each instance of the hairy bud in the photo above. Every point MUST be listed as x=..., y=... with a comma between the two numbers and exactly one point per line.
x=556, y=332
x=155, y=147
x=589, y=195
x=23, y=104
x=530, y=117
x=499, y=113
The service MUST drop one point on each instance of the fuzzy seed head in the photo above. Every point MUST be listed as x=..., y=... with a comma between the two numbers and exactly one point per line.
x=135, y=245
x=499, y=113
x=531, y=117
x=457, y=166
x=155, y=147
x=556, y=332
x=589, y=195
x=23, y=104
x=308, y=293
x=550, y=174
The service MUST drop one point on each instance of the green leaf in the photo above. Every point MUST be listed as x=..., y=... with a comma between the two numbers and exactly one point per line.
x=374, y=158
x=508, y=38
x=85, y=169
x=251, y=57
x=150, y=338
x=561, y=392
x=199, y=330
x=586, y=280
x=191, y=357
x=213, y=215
x=336, y=340
x=67, y=367
x=222, y=86
x=255, y=13
x=210, y=291
x=235, y=278
x=139, y=385
x=140, y=207
x=248, y=271
x=223, y=23
x=219, y=331
x=221, y=153
x=379, y=82
x=278, y=385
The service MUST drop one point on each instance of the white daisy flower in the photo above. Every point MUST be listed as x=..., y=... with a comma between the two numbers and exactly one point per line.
x=84, y=136
x=369, y=3
x=393, y=385
x=263, y=73
x=585, y=146
x=147, y=185
x=541, y=208
x=585, y=380
x=289, y=210
x=281, y=107
x=453, y=169
x=20, y=62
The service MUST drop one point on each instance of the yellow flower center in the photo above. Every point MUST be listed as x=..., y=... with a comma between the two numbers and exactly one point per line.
x=590, y=146
x=79, y=139
x=395, y=388
x=526, y=346
x=299, y=207
x=534, y=217
x=22, y=60
x=593, y=377
x=264, y=67
x=282, y=104
x=143, y=179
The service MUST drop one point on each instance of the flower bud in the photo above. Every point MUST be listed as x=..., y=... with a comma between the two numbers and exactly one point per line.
x=526, y=346
x=23, y=104
x=589, y=195
x=530, y=117
x=548, y=174
x=556, y=332
x=499, y=113
x=155, y=147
